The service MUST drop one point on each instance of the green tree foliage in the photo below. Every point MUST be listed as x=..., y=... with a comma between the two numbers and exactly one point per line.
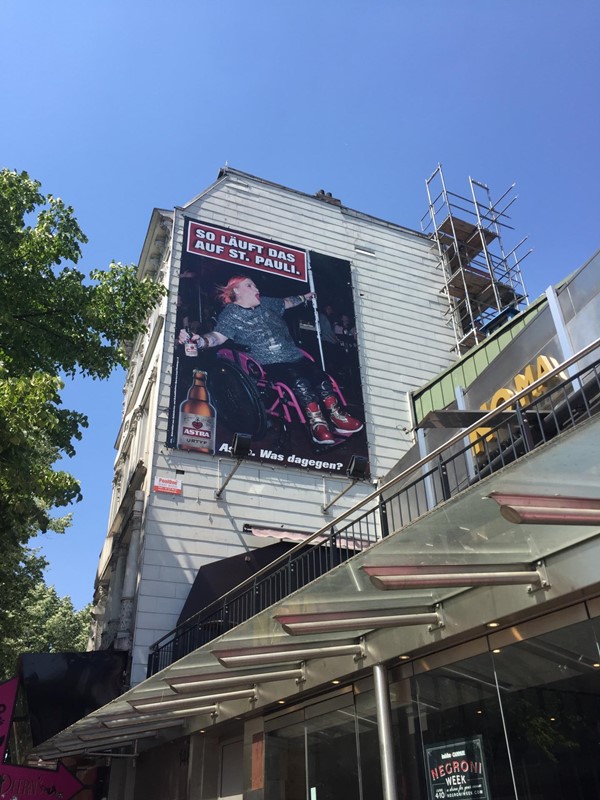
x=39, y=621
x=51, y=318
x=21, y=570
x=54, y=320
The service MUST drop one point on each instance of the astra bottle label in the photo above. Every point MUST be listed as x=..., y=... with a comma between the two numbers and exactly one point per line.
x=191, y=348
x=197, y=418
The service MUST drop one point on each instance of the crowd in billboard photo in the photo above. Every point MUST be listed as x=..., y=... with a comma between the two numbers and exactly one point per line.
x=266, y=346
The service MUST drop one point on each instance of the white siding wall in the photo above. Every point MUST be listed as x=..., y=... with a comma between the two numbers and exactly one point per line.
x=403, y=342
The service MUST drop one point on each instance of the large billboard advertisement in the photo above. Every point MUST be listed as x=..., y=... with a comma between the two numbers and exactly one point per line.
x=266, y=346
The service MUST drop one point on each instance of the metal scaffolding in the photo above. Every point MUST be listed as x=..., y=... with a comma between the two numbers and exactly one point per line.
x=482, y=281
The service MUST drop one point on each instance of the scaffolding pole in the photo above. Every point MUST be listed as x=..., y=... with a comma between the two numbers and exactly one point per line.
x=483, y=283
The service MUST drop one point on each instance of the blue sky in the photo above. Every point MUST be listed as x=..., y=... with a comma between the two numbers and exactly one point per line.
x=121, y=106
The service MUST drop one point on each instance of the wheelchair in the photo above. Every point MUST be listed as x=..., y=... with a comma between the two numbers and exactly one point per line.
x=247, y=400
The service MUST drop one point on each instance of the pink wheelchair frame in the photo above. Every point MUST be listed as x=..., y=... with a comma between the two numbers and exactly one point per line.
x=284, y=399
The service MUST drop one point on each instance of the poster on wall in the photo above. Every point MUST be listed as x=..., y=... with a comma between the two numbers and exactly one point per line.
x=266, y=347
x=456, y=770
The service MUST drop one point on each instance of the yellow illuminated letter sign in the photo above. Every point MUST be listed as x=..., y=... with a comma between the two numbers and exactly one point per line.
x=531, y=373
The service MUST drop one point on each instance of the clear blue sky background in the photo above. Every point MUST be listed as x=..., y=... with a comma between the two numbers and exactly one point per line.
x=120, y=106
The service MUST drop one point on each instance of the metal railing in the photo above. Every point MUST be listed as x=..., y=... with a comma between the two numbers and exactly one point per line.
x=550, y=405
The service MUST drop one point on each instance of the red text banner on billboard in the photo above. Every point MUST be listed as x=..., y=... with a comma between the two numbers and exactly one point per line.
x=266, y=353
x=247, y=251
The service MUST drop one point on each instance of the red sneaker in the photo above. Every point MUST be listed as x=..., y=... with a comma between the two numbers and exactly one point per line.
x=343, y=423
x=319, y=429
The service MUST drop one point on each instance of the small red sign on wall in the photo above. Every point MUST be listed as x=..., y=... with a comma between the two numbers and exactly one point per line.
x=168, y=485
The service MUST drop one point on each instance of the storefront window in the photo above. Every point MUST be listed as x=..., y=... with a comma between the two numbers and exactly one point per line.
x=551, y=703
x=315, y=757
x=285, y=763
x=368, y=741
x=405, y=732
x=521, y=722
x=459, y=724
x=332, y=755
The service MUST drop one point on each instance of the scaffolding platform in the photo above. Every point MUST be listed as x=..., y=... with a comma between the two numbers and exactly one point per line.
x=475, y=283
x=463, y=240
x=481, y=280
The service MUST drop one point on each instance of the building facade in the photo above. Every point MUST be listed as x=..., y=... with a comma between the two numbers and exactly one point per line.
x=383, y=278
x=437, y=635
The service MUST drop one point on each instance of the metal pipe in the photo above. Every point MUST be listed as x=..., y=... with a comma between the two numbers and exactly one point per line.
x=440, y=580
x=297, y=626
x=220, y=491
x=186, y=683
x=486, y=255
x=286, y=655
x=428, y=477
x=562, y=332
x=324, y=507
x=311, y=286
x=384, y=729
x=543, y=515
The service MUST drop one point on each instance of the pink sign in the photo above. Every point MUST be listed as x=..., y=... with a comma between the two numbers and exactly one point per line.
x=28, y=783
x=8, y=696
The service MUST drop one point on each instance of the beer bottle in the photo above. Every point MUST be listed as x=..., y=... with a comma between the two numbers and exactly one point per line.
x=197, y=418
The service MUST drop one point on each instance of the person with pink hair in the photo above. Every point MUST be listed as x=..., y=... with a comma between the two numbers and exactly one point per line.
x=257, y=323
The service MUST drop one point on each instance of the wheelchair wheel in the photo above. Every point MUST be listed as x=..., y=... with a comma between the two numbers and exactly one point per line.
x=237, y=399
